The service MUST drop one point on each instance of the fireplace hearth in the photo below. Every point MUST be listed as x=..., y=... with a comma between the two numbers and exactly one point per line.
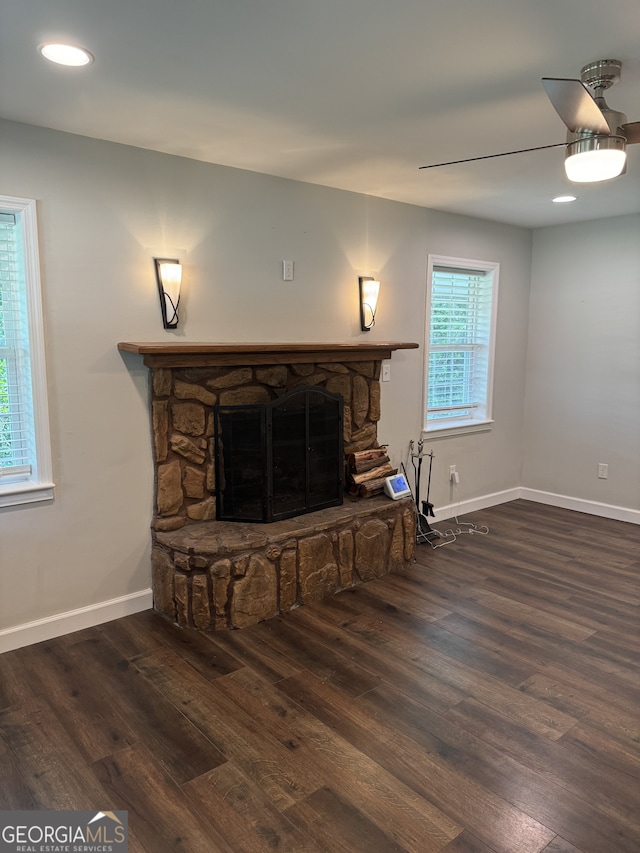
x=221, y=560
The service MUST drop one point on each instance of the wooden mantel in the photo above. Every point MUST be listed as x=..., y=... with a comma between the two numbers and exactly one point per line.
x=207, y=355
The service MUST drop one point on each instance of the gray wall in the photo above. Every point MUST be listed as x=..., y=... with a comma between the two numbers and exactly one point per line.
x=104, y=211
x=583, y=371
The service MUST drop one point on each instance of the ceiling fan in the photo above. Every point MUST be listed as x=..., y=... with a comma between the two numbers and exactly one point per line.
x=597, y=136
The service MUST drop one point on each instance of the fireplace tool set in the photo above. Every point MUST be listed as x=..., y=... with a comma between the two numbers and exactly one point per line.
x=424, y=532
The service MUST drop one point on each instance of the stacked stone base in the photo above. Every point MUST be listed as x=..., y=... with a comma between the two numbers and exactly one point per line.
x=217, y=575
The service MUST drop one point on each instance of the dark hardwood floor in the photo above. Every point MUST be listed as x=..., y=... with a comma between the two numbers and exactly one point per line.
x=485, y=700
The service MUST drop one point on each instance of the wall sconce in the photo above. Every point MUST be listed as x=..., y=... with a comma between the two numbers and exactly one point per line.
x=169, y=278
x=369, y=290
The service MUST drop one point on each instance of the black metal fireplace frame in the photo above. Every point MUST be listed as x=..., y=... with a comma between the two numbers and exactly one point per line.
x=266, y=504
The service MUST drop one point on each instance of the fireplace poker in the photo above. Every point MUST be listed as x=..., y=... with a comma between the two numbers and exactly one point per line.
x=425, y=532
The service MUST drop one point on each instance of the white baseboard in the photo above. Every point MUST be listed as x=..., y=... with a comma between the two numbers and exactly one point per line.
x=618, y=513
x=474, y=504
x=74, y=620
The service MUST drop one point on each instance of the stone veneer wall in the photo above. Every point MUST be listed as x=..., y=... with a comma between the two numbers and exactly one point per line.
x=182, y=416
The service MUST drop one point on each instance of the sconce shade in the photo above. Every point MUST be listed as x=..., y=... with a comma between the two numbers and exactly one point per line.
x=369, y=290
x=595, y=158
x=169, y=279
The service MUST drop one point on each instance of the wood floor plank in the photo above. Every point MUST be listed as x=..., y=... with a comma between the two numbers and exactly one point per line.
x=280, y=633
x=164, y=819
x=15, y=793
x=601, y=747
x=393, y=590
x=590, y=780
x=527, y=580
x=556, y=543
x=624, y=576
x=494, y=609
x=284, y=776
x=619, y=646
x=620, y=566
x=578, y=811
x=413, y=822
x=424, y=770
x=253, y=652
x=444, y=641
x=182, y=750
x=416, y=590
x=333, y=821
x=537, y=617
x=539, y=574
x=403, y=676
x=133, y=635
x=589, y=610
x=147, y=631
x=587, y=702
x=537, y=715
x=604, y=612
x=580, y=665
x=247, y=820
x=93, y=724
x=466, y=843
x=559, y=845
x=553, y=654
x=587, y=664
x=14, y=690
x=51, y=768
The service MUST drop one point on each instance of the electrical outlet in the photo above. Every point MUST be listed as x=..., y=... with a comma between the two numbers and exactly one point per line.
x=287, y=270
x=452, y=471
x=603, y=470
x=386, y=371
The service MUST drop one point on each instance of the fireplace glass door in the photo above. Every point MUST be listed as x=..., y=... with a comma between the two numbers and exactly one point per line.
x=280, y=459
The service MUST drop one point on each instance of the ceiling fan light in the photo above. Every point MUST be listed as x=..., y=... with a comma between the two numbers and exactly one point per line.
x=595, y=158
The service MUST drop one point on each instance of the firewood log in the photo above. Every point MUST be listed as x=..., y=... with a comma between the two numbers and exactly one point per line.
x=362, y=457
x=385, y=470
x=371, y=488
x=368, y=464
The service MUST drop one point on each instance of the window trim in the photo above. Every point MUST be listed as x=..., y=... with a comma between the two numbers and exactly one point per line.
x=39, y=487
x=443, y=429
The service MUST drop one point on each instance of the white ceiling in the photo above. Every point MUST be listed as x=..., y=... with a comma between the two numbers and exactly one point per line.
x=354, y=94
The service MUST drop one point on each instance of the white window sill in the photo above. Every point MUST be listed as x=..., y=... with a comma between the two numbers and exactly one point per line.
x=456, y=428
x=28, y=493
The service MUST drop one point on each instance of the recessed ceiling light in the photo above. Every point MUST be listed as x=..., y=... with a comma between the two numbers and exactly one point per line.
x=66, y=54
x=563, y=199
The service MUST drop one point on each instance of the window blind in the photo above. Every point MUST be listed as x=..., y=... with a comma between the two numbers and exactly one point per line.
x=17, y=452
x=459, y=338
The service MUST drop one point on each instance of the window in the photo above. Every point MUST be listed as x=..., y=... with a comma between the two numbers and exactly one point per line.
x=25, y=454
x=461, y=315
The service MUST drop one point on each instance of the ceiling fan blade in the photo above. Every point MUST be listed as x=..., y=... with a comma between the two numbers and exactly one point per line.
x=574, y=104
x=632, y=131
x=491, y=156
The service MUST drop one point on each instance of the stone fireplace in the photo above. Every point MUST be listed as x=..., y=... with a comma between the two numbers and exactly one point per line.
x=210, y=574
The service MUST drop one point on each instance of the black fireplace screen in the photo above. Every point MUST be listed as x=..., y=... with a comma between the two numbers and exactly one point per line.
x=279, y=459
